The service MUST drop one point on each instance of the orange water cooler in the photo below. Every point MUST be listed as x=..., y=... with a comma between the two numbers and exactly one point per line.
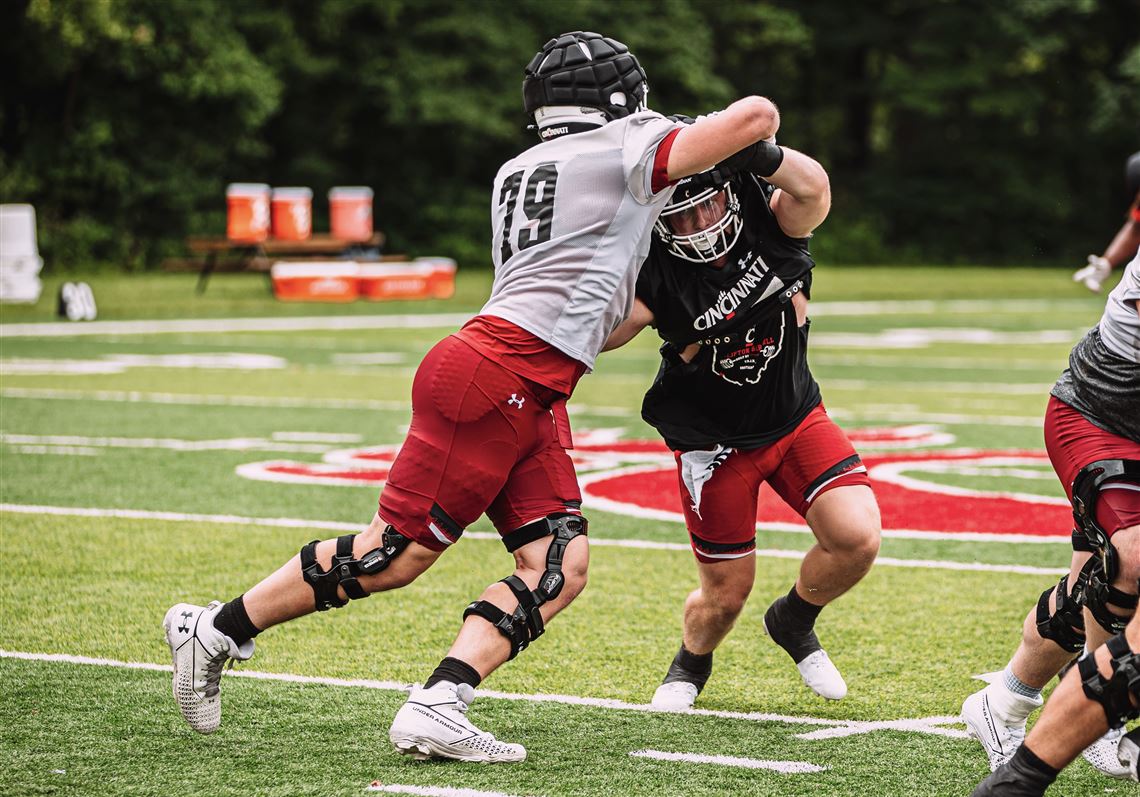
x=247, y=212
x=292, y=213
x=350, y=212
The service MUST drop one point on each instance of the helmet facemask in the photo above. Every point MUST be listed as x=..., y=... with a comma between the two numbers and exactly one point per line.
x=703, y=227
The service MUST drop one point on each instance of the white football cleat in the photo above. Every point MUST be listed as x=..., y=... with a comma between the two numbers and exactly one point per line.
x=996, y=718
x=822, y=677
x=199, y=652
x=1103, y=755
x=1129, y=754
x=675, y=696
x=433, y=724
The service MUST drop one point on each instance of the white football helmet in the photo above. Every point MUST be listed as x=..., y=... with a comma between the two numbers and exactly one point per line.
x=702, y=225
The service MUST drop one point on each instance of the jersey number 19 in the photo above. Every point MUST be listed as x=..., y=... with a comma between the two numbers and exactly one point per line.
x=537, y=206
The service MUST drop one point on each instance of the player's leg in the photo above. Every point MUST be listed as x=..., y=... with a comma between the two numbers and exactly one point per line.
x=328, y=574
x=710, y=612
x=1097, y=695
x=203, y=639
x=1054, y=631
x=537, y=511
x=822, y=477
x=718, y=497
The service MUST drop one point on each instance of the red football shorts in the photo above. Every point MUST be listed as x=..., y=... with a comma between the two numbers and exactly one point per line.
x=1073, y=442
x=801, y=466
x=482, y=439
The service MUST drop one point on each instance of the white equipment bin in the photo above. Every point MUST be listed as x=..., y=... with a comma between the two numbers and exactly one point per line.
x=20, y=261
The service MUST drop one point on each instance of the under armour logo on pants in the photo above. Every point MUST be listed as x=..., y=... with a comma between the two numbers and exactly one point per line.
x=514, y=399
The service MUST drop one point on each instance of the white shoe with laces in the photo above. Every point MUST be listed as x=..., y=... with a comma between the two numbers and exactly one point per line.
x=199, y=652
x=822, y=677
x=675, y=696
x=996, y=717
x=1103, y=755
x=433, y=724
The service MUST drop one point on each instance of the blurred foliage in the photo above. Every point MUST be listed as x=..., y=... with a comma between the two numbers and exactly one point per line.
x=953, y=130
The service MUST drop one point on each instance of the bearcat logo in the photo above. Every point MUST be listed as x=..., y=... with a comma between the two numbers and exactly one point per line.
x=747, y=361
x=916, y=477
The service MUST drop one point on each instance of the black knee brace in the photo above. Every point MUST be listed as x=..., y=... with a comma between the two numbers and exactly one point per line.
x=1066, y=625
x=1100, y=571
x=524, y=624
x=344, y=570
x=1116, y=693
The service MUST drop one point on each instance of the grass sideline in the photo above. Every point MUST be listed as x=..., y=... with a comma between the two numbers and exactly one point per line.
x=909, y=639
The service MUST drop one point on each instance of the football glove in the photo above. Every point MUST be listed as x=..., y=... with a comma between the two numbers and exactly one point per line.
x=1094, y=274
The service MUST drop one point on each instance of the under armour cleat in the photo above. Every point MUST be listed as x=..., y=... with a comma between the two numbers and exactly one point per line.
x=996, y=718
x=199, y=652
x=675, y=696
x=433, y=724
x=1129, y=753
x=1103, y=755
x=821, y=676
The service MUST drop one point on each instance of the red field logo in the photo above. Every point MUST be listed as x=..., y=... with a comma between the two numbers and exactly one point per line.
x=920, y=492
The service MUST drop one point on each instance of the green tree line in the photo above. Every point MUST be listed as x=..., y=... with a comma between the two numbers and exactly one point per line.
x=953, y=130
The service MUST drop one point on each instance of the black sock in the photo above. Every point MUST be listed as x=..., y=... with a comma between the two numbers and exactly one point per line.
x=456, y=671
x=692, y=667
x=1025, y=756
x=233, y=621
x=790, y=621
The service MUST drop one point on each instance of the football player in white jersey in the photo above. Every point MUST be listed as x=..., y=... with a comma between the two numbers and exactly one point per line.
x=1092, y=434
x=571, y=222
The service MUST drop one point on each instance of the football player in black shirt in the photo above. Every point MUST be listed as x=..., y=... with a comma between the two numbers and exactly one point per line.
x=726, y=285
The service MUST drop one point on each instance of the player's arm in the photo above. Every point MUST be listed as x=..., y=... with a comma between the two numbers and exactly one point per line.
x=1120, y=250
x=713, y=138
x=803, y=196
x=639, y=318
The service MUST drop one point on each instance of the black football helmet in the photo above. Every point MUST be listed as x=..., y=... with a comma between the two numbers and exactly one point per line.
x=585, y=69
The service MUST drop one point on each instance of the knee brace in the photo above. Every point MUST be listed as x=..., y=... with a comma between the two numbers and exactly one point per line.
x=1117, y=692
x=1099, y=593
x=1066, y=625
x=524, y=624
x=344, y=569
x=1100, y=571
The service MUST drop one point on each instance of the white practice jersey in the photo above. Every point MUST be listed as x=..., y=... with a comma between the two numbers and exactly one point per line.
x=1120, y=324
x=571, y=225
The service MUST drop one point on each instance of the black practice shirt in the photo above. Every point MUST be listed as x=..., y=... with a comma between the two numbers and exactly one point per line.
x=749, y=383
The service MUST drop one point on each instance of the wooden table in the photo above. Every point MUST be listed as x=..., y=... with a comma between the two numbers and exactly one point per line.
x=260, y=256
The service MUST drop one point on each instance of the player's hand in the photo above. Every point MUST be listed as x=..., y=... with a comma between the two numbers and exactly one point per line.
x=1094, y=274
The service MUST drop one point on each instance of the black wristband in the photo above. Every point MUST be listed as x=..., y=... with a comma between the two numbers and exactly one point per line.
x=762, y=159
x=766, y=159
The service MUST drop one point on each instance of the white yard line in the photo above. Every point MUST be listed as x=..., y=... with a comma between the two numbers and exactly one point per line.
x=649, y=545
x=223, y=400
x=433, y=791
x=925, y=725
x=786, y=767
x=203, y=399
x=989, y=388
x=303, y=323
x=165, y=443
x=436, y=320
x=863, y=413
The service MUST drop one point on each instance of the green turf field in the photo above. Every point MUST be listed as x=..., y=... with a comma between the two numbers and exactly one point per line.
x=123, y=452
